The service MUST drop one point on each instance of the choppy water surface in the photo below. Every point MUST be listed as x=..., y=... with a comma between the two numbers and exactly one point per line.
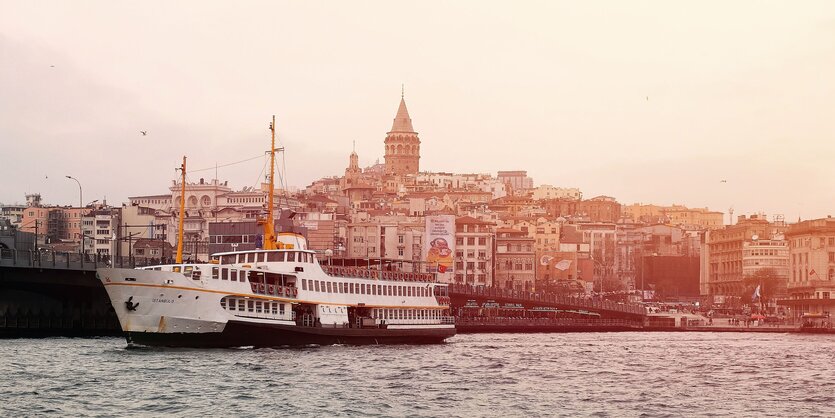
x=619, y=374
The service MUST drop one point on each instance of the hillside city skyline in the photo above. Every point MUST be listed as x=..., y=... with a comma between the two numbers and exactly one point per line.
x=208, y=173
x=646, y=107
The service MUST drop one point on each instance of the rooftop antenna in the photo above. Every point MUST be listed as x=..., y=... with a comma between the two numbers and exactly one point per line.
x=402, y=90
x=731, y=215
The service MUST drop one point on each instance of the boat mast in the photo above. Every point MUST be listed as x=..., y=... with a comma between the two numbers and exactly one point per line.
x=269, y=226
x=182, y=213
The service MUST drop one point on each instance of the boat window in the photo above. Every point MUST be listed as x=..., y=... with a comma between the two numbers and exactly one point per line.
x=330, y=287
x=373, y=289
x=351, y=288
x=250, y=306
x=281, y=309
x=362, y=288
x=227, y=259
x=291, y=257
x=316, y=284
x=304, y=284
x=214, y=272
x=274, y=308
x=232, y=304
x=241, y=305
x=339, y=287
x=258, y=307
x=313, y=259
x=224, y=274
x=233, y=274
x=275, y=257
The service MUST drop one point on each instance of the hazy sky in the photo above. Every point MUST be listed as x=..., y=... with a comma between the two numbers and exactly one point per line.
x=651, y=102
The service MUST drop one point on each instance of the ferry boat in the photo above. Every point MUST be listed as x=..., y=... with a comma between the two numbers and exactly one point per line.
x=276, y=296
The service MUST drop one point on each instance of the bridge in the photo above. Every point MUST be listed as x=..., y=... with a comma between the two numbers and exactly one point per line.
x=55, y=294
x=462, y=295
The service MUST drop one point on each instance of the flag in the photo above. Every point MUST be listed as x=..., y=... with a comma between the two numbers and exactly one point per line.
x=812, y=272
x=756, y=294
x=441, y=268
x=545, y=260
x=563, y=265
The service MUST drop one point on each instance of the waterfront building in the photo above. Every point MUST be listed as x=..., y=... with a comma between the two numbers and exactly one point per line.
x=596, y=209
x=770, y=254
x=690, y=218
x=811, y=284
x=474, y=251
x=547, y=192
x=12, y=213
x=725, y=256
x=99, y=229
x=517, y=180
x=392, y=238
x=544, y=232
x=515, y=260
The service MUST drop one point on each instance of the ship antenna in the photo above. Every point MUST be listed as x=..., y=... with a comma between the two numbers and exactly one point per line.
x=182, y=212
x=269, y=226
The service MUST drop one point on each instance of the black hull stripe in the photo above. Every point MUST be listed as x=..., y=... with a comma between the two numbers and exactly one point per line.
x=241, y=334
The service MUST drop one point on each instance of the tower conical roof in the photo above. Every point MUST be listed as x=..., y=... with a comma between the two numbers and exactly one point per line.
x=402, y=122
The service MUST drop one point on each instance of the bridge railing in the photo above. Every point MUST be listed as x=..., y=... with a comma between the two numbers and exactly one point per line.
x=530, y=322
x=552, y=298
x=70, y=260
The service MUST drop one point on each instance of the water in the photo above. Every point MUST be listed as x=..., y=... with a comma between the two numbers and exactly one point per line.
x=615, y=374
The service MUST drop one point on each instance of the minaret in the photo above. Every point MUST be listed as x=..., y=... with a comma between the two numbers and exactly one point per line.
x=402, y=144
x=353, y=171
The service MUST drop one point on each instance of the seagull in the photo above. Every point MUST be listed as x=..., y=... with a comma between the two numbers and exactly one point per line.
x=723, y=181
x=647, y=98
x=144, y=133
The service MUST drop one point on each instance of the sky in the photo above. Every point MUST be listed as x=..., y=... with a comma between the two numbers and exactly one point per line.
x=645, y=101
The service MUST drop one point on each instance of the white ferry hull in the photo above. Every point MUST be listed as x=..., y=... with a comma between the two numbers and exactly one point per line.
x=151, y=307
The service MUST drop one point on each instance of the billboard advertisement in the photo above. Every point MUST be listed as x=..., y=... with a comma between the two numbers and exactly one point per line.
x=439, y=244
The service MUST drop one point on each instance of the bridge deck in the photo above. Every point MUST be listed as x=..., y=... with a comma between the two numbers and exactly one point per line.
x=461, y=293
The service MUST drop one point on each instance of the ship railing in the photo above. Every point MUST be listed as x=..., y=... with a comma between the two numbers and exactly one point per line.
x=377, y=274
x=432, y=321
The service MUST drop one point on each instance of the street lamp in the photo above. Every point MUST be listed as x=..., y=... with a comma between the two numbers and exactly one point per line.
x=80, y=209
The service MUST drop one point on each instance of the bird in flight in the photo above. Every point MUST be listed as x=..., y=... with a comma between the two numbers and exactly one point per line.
x=144, y=133
x=51, y=66
x=723, y=181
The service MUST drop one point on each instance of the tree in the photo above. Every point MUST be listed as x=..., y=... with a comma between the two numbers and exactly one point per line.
x=768, y=281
